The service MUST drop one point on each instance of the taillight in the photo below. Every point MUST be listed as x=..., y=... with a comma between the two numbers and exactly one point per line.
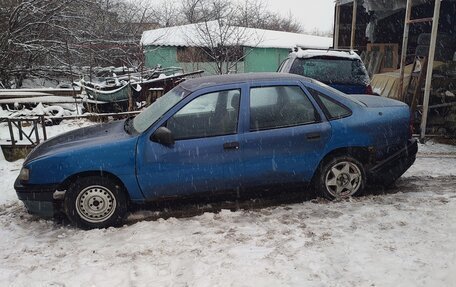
x=369, y=90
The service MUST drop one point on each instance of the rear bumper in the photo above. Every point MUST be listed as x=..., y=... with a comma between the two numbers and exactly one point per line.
x=38, y=199
x=391, y=168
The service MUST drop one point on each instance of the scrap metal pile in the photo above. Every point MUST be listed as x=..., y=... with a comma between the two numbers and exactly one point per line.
x=103, y=90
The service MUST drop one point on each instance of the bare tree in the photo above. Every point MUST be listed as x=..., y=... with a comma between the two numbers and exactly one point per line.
x=249, y=13
x=32, y=32
x=218, y=39
x=193, y=10
x=280, y=23
x=43, y=38
x=167, y=14
x=50, y=38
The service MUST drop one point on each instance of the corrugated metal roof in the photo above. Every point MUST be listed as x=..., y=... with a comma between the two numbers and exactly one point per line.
x=210, y=34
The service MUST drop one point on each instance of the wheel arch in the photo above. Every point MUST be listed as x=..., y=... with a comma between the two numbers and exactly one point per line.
x=67, y=182
x=364, y=155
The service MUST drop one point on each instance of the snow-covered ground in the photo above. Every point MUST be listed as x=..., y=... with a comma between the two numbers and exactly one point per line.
x=406, y=237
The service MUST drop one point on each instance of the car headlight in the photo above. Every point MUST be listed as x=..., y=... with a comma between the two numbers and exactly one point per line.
x=24, y=174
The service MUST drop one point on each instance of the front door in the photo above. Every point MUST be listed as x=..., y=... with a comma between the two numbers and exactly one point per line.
x=205, y=156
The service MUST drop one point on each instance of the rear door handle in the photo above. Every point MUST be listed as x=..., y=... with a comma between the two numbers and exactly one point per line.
x=313, y=136
x=231, y=145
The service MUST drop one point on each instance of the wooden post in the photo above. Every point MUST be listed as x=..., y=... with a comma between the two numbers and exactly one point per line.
x=19, y=127
x=336, y=26
x=408, y=12
x=43, y=126
x=35, y=128
x=130, y=94
x=430, y=66
x=10, y=127
x=155, y=93
x=353, y=28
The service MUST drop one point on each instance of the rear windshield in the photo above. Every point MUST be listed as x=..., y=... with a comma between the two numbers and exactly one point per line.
x=332, y=70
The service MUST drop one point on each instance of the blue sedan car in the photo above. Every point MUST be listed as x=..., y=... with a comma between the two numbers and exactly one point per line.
x=221, y=133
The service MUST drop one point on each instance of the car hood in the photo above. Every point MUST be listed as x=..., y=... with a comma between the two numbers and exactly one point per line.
x=377, y=102
x=95, y=135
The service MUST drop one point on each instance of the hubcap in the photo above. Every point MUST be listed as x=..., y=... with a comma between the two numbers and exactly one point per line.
x=343, y=179
x=95, y=204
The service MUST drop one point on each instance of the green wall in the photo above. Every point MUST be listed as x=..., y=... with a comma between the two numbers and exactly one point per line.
x=166, y=56
x=264, y=59
x=209, y=68
x=256, y=60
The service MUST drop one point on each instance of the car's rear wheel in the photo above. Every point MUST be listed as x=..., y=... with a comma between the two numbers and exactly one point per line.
x=95, y=202
x=341, y=177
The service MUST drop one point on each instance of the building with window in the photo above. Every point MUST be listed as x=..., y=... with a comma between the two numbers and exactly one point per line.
x=217, y=48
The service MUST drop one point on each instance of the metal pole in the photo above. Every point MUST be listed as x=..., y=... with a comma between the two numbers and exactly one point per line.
x=353, y=30
x=336, y=26
x=427, y=86
x=408, y=12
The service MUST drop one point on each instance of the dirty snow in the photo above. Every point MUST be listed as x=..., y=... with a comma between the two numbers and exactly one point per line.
x=406, y=237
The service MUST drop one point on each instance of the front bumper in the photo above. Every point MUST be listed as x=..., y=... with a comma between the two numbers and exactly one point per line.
x=38, y=199
x=391, y=168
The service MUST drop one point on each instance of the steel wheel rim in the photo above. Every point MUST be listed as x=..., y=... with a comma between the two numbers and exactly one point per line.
x=343, y=179
x=95, y=204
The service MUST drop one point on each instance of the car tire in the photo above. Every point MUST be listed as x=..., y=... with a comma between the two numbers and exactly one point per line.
x=340, y=177
x=95, y=202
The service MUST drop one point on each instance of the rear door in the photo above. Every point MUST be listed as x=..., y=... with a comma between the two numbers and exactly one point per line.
x=285, y=135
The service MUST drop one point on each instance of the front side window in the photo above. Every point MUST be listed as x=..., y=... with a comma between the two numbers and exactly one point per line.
x=155, y=111
x=208, y=115
x=332, y=109
x=280, y=106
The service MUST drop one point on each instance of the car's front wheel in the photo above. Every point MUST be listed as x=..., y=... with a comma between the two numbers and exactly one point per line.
x=341, y=177
x=95, y=202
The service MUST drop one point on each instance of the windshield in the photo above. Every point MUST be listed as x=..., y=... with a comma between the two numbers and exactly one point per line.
x=332, y=70
x=157, y=109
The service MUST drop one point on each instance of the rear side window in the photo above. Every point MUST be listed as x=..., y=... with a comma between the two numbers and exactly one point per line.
x=280, y=106
x=332, y=109
x=262, y=97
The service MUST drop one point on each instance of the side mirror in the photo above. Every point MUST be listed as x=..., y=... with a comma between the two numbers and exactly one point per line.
x=163, y=136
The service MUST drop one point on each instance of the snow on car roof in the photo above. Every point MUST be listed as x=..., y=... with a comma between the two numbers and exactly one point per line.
x=309, y=53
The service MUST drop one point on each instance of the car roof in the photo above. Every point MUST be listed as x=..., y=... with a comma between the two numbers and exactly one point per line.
x=311, y=53
x=209, y=81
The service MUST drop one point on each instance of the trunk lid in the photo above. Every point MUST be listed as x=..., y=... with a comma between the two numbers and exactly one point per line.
x=371, y=101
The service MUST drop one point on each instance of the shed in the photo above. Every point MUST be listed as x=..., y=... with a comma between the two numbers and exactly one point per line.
x=252, y=50
x=419, y=37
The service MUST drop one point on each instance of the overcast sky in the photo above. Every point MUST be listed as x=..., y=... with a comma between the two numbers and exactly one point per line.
x=310, y=13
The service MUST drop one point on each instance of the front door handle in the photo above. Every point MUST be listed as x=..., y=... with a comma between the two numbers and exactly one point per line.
x=313, y=136
x=231, y=145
